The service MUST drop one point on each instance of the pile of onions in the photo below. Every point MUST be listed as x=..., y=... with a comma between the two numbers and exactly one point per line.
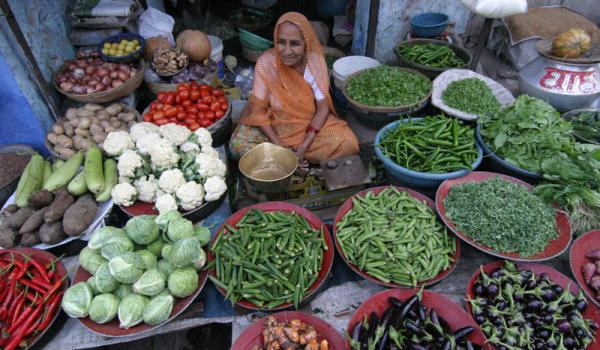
x=85, y=76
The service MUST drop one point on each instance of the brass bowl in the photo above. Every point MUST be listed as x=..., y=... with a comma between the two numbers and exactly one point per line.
x=269, y=167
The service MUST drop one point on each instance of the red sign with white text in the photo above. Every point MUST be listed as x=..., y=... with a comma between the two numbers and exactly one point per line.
x=572, y=82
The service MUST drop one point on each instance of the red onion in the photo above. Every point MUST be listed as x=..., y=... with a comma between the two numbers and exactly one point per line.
x=123, y=75
x=78, y=89
x=101, y=87
x=66, y=86
x=107, y=81
x=102, y=72
x=62, y=78
x=71, y=66
x=93, y=82
x=117, y=83
x=124, y=68
x=81, y=63
x=114, y=75
x=78, y=73
x=90, y=89
x=86, y=78
x=111, y=66
x=90, y=70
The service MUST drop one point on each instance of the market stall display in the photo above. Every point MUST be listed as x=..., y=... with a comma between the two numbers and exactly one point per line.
x=290, y=328
x=431, y=57
x=124, y=47
x=276, y=240
x=392, y=236
x=586, y=125
x=169, y=166
x=118, y=292
x=83, y=127
x=499, y=215
x=53, y=207
x=545, y=309
x=583, y=257
x=168, y=62
x=419, y=319
x=462, y=92
x=31, y=295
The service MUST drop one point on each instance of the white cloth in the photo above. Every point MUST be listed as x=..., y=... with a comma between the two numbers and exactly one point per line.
x=310, y=79
x=496, y=8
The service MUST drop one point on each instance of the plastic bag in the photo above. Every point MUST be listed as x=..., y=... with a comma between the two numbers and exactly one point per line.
x=156, y=23
x=504, y=97
x=496, y=8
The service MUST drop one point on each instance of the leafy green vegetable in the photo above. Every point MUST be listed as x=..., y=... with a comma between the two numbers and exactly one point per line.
x=431, y=55
x=586, y=126
x=502, y=215
x=386, y=86
x=471, y=95
x=527, y=133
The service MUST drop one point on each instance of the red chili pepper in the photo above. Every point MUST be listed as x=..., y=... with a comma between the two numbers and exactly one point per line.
x=38, y=266
x=55, y=287
x=22, y=331
x=22, y=317
x=9, y=298
x=16, y=307
x=34, y=298
x=52, y=305
x=35, y=287
x=40, y=283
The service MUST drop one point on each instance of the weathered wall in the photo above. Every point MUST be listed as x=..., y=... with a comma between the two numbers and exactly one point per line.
x=24, y=116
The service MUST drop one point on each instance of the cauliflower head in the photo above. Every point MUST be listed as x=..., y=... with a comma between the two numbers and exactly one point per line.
x=171, y=180
x=124, y=194
x=146, y=187
x=163, y=155
x=147, y=142
x=140, y=129
x=190, y=147
x=129, y=162
x=117, y=142
x=190, y=195
x=210, y=151
x=210, y=166
x=214, y=186
x=177, y=134
x=165, y=202
x=204, y=137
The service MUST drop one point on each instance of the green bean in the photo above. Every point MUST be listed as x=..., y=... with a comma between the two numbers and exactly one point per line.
x=435, y=144
x=268, y=259
x=431, y=55
x=395, y=238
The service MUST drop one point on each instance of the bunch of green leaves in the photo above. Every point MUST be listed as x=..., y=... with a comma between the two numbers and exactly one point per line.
x=471, y=95
x=502, y=215
x=586, y=126
x=527, y=133
x=386, y=86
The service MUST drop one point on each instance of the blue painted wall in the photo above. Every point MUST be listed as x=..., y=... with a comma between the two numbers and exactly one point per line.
x=24, y=116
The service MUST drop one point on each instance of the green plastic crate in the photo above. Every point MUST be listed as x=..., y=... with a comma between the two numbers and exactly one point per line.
x=254, y=42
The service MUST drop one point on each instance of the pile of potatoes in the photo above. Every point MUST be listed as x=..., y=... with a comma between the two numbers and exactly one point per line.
x=88, y=125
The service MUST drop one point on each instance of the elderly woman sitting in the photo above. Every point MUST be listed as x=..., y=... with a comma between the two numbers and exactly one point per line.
x=290, y=104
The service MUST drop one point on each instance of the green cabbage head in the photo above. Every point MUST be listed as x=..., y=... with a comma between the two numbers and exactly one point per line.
x=77, y=299
x=151, y=283
x=127, y=267
x=158, y=309
x=131, y=310
x=104, y=308
x=142, y=229
x=183, y=282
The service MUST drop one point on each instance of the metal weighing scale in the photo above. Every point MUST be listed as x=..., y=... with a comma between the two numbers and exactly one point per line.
x=326, y=186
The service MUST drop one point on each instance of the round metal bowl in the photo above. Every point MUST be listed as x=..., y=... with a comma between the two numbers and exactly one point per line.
x=269, y=167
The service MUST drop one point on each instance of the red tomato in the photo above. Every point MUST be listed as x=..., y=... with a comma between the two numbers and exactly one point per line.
x=180, y=108
x=170, y=99
x=170, y=112
x=194, y=95
x=173, y=120
x=184, y=94
x=224, y=106
x=219, y=114
x=204, y=92
x=177, y=99
x=194, y=85
x=158, y=106
x=189, y=121
x=161, y=121
x=191, y=109
x=148, y=117
x=205, y=87
x=181, y=115
x=222, y=99
x=205, y=122
x=186, y=103
x=158, y=115
x=218, y=92
x=210, y=115
x=161, y=96
x=215, y=106
x=194, y=126
x=203, y=107
x=192, y=115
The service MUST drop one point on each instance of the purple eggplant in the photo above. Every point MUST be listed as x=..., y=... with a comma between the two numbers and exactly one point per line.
x=463, y=332
x=564, y=326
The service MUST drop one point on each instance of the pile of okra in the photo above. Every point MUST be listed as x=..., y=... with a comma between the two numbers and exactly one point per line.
x=268, y=259
x=437, y=144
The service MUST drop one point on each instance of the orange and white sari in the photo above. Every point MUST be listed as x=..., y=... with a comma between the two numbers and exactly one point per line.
x=282, y=98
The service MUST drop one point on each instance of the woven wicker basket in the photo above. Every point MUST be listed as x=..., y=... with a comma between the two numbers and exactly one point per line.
x=109, y=95
x=51, y=148
x=377, y=109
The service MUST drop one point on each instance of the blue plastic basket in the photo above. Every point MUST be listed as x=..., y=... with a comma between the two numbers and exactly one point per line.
x=132, y=57
x=429, y=25
x=411, y=178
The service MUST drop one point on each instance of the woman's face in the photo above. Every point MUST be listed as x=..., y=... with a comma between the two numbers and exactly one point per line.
x=290, y=44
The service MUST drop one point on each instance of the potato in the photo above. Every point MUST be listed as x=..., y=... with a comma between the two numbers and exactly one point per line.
x=64, y=152
x=71, y=113
x=92, y=107
x=82, y=113
x=18, y=219
x=96, y=129
x=80, y=215
x=74, y=122
x=109, y=129
x=30, y=239
x=126, y=117
x=52, y=232
x=56, y=210
x=40, y=199
x=115, y=123
x=52, y=138
x=69, y=129
x=102, y=115
x=33, y=222
x=8, y=238
x=99, y=137
x=114, y=109
x=58, y=129
x=82, y=132
x=64, y=141
x=86, y=144
x=13, y=208
x=84, y=123
x=77, y=142
x=105, y=124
